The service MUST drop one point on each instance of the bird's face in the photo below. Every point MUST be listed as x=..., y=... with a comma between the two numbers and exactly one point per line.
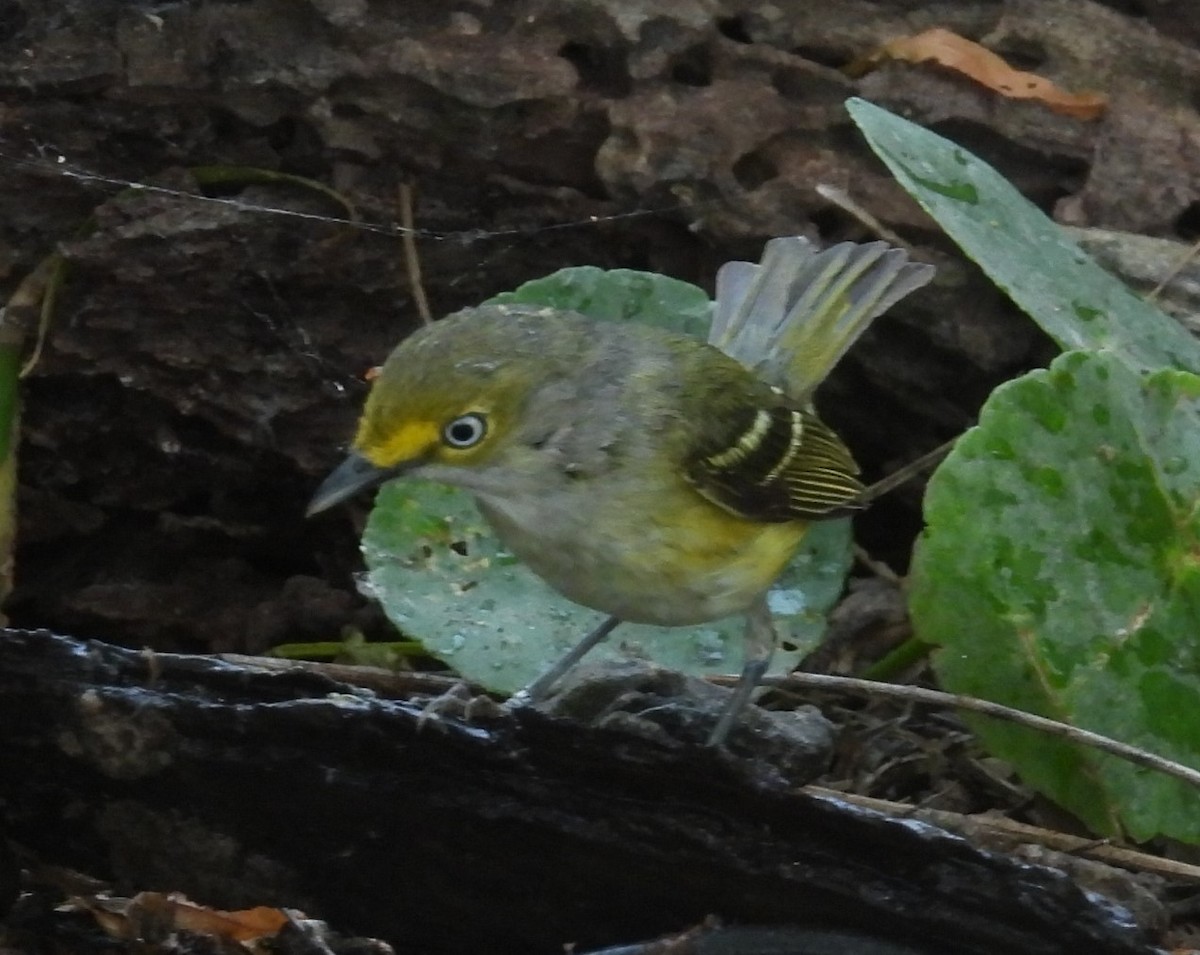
x=413, y=419
x=447, y=405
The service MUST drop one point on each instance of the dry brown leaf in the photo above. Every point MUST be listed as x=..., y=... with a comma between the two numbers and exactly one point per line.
x=239, y=926
x=967, y=57
x=129, y=918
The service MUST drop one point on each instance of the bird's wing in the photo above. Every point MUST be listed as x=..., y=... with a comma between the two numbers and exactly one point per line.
x=773, y=463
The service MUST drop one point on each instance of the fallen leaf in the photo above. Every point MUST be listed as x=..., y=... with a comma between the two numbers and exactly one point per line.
x=132, y=918
x=967, y=57
x=240, y=926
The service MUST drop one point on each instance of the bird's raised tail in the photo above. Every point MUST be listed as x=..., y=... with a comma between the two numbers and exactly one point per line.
x=791, y=317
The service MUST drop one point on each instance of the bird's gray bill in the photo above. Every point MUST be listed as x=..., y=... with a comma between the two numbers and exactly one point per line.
x=354, y=474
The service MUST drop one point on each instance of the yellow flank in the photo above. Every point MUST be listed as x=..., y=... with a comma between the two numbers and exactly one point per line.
x=645, y=561
x=410, y=441
x=717, y=563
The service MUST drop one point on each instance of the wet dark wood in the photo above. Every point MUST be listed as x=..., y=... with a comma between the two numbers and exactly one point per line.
x=244, y=787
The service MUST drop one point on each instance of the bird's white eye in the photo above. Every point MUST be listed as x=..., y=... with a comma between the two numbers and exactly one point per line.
x=465, y=431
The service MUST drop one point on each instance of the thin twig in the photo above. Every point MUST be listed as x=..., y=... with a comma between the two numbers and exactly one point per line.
x=906, y=473
x=877, y=567
x=1001, y=829
x=54, y=279
x=391, y=683
x=840, y=198
x=1174, y=271
x=412, y=263
x=1041, y=724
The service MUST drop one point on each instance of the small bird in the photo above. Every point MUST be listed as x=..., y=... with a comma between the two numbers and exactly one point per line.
x=643, y=473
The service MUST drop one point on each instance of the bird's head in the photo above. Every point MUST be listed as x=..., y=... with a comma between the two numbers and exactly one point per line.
x=448, y=401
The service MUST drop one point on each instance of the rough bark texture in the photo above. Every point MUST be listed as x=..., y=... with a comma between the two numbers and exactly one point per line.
x=204, y=362
x=514, y=836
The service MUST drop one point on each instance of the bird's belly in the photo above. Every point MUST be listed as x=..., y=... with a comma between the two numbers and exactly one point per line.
x=701, y=565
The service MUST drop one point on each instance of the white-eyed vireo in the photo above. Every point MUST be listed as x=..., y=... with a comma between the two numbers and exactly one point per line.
x=648, y=475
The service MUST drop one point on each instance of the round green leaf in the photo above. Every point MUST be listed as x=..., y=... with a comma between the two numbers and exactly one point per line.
x=619, y=295
x=1060, y=573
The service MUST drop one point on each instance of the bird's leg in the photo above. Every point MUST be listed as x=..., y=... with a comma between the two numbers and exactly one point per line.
x=542, y=685
x=759, y=640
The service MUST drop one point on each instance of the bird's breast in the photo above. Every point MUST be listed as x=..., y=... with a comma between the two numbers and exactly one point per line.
x=668, y=559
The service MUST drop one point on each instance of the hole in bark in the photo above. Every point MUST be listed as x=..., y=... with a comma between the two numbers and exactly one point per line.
x=693, y=67
x=823, y=55
x=733, y=28
x=753, y=169
x=599, y=68
x=1187, y=223
x=812, y=87
x=1131, y=8
x=1022, y=54
x=832, y=224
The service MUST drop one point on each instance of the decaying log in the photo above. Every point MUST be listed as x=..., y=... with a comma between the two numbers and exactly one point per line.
x=511, y=835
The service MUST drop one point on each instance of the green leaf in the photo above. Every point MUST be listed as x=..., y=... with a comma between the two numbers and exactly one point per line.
x=618, y=295
x=1060, y=573
x=1027, y=255
x=442, y=577
x=353, y=648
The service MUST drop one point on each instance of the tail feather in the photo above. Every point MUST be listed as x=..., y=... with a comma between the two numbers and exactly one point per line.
x=791, y=317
